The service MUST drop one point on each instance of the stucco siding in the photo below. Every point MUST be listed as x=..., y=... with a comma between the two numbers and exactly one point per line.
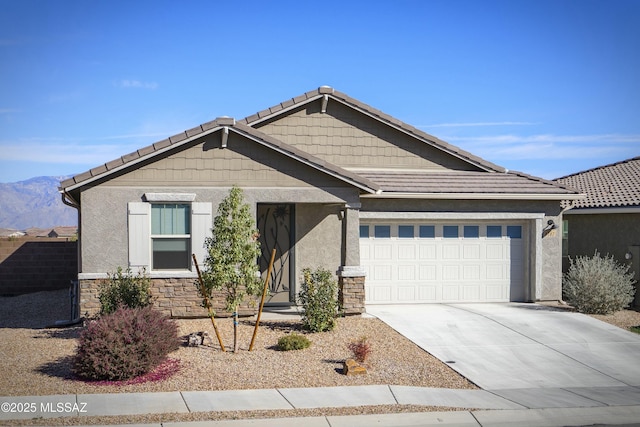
x=318, y=238
x=104, y=219
x=351, y=139
x=607, y=233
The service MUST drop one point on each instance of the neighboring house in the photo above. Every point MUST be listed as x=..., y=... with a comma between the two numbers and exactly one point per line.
x=401, y=216
x=608, y=219
x=11, y=233
x=61, y=232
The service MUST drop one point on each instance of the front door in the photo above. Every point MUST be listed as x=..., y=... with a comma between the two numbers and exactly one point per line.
x=276, y=226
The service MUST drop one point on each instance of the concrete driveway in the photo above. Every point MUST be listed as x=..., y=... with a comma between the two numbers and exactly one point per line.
x=522, y=346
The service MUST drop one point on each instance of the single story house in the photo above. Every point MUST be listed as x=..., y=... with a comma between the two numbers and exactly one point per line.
x=608, y=219
x=400, y=215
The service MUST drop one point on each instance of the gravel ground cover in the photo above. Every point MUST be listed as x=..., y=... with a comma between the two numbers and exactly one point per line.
x=35, y=360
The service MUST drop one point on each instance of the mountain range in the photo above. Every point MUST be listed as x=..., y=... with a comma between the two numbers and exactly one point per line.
x=34, y=203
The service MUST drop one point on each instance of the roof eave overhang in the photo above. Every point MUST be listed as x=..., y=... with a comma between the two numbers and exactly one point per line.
x=604, y=210
x=474, y=196
x=129, y=164
x=373, y=116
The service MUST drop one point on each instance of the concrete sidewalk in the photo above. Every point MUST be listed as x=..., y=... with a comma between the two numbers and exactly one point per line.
x=548, y=407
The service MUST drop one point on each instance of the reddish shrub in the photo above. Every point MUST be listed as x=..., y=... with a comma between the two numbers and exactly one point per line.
x=125, y=344
x=361, y=349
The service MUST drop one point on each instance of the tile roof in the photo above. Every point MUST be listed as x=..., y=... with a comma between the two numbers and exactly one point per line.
x=497, y=180
x=464, y=182
x=614, y=185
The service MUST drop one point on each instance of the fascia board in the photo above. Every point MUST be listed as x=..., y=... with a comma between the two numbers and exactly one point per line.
x=602, y=211
x=475, y=196
x=450, y=215
x=142, y=158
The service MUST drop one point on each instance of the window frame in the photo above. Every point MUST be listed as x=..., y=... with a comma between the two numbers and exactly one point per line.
x=187, y=238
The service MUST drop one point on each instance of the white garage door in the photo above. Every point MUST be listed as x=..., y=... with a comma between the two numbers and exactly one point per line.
x=446, y=262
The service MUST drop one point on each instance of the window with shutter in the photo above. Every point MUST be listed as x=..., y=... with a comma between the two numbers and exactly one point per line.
x=163, y=236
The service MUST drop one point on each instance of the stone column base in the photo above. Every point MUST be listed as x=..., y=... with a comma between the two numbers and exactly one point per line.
x=351, y=289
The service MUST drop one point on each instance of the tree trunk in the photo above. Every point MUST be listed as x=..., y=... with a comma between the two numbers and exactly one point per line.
x=235, y=331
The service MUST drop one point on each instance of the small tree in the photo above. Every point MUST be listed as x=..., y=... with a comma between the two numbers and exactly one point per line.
x=232, y=254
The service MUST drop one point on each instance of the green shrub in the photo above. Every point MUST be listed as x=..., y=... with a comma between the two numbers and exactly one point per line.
x=598, y=285
x=293, y=342
x=361, y=349
x=318, y=297
x=125, y=344
x=126, y=290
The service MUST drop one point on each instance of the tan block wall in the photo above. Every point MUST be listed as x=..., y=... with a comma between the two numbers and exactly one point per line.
x=174, y=297
x=35, y=264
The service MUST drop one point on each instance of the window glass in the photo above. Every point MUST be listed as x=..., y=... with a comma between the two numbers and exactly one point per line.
x=471, y=231
x=514, y=231
x=382, y=231
x=494, y=231
x=364, y=231
x=170, y=236
x=171, y=254
x=405, y=231
x=170, y=219
x=427, y=231
x=450, y=231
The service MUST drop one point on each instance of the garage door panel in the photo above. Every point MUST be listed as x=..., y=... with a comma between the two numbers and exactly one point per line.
x=406, y=293
x=428, y=293
x=471, y=272
x=496, y=272
x=382, y=252
x=471, y=292
x=407, y=252
x=428, y=272
x=381, y=293
x=470, y=252
x=428, y=251
x=495, y=250
x=451, y=251
x=495, y=292
x=365, y=252
x=450, y=293
x=428, y=263
x=407, y=272
x=450, y=272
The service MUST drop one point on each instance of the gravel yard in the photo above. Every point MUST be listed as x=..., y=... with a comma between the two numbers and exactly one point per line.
x=35, y=359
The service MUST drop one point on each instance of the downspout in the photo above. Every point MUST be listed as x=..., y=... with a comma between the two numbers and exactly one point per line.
x=74, y=288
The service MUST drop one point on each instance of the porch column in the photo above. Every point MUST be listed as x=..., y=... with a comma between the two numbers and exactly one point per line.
x=351, y=275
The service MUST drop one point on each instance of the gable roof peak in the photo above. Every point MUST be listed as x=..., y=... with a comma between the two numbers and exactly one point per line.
x=225, y=121
x=325, y=90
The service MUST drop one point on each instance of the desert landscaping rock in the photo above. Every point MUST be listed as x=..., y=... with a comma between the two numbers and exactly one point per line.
x=46, y=367
x=36, y=361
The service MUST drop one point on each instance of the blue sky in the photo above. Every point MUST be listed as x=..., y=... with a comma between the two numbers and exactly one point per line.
x=544, y=87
